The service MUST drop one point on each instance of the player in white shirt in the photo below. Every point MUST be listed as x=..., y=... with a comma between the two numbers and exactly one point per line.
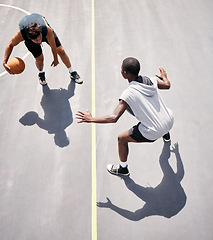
x=142, y=100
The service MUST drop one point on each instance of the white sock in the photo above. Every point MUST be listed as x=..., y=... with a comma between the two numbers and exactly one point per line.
x=70, y=69
x=41, y=71
x=123, y=164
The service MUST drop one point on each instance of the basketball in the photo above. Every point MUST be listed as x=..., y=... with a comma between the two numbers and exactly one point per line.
x=16, y=65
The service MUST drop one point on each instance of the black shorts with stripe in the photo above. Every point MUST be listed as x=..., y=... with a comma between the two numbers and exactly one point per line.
x=36, y=49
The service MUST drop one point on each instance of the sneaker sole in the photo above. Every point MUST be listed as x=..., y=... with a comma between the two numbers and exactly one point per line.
x=116, y=174
x=77, y=81
x=166, y=140
x=43, y=84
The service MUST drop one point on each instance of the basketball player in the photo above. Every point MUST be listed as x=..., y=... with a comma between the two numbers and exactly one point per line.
x=143, y=101
x=33, y=30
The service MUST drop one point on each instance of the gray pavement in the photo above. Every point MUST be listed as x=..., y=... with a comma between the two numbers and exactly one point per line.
x=45, y=156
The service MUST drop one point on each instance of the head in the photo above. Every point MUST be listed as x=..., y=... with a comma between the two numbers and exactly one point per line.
x=130, y=68
x=33, y=32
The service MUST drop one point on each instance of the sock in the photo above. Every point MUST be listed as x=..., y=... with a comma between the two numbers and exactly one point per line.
x=123, y=164
x=70, y=69
x=41, y=71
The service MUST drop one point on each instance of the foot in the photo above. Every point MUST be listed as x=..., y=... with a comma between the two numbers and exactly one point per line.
x=117, y=170
x=42, y=79
x=166, y=137
x=74, y=76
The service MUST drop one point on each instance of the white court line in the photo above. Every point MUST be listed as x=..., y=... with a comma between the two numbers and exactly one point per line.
x=25, y=56
x=22, y=10
x=17, y=8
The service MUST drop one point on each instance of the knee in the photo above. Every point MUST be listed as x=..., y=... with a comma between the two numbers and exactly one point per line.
x=60, y=51
x=40, y=58
x=121, y=139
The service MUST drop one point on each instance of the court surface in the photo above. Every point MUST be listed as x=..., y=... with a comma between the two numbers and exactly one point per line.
x=53, y=170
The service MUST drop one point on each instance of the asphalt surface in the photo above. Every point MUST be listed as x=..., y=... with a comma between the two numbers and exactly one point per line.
x=46, y=156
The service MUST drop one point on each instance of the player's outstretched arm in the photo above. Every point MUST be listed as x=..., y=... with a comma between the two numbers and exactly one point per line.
x=16, y=39
x=164, y=82
x=112, y=118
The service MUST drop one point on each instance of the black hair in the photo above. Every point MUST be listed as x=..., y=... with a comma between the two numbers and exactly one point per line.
x=131, y=65
x=33, y=30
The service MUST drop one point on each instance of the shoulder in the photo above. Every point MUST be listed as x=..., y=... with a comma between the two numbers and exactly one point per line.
x=127, y=93
x=35, y=16
x=16, y=39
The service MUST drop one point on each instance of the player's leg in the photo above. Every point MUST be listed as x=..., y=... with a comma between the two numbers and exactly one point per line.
x=123, y=151
x=36, y=51
x=39, y=61
x=65, y=59
x=132, y=135
x=123, y=148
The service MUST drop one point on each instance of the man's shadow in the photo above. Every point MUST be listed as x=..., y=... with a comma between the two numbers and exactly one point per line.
x=57, y=113
x=167, y=199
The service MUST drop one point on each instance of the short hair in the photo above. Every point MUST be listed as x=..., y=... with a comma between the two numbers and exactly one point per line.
x=33, y=30
x=131, y=65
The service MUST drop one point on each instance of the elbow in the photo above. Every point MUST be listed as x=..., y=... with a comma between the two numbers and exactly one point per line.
x=10, y=44
x=113, y=119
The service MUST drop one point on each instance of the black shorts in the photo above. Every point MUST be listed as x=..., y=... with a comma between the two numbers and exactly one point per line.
x=136, y=134
x=36, y=49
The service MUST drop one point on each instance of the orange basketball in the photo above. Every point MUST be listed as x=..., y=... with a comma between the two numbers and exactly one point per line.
x=16, y=65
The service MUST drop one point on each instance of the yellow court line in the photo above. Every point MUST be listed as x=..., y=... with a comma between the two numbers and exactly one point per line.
x=94, y=208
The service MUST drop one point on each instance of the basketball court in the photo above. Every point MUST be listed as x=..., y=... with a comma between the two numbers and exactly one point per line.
x=53, y=179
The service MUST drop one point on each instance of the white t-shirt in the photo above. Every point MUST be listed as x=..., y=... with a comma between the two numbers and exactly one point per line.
x=147, y=106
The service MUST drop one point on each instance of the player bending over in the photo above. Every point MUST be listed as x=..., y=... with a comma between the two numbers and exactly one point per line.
x=34, y=29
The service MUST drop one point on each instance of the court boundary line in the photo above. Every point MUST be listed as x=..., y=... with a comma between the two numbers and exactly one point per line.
x=94, y=187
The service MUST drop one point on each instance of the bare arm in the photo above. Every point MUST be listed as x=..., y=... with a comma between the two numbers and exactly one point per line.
x=51, y=41
x=16, y=39
x=164, y=83
x=112, y=118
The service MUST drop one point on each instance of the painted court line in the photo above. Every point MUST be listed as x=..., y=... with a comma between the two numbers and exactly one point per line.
x=17, y=8
x=94, y=188
x=22, y=10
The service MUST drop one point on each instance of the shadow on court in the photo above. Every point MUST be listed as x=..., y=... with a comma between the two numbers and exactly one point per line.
x=167, y=199
x=57, y=113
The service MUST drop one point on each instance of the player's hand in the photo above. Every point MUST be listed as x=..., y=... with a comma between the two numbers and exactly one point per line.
x=84, y=117
x=164, y=83
x=7, y=68
x=55, y=63
x=162, y=75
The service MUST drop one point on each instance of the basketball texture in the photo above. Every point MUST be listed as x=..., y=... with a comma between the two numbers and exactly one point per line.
x=16, y=65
